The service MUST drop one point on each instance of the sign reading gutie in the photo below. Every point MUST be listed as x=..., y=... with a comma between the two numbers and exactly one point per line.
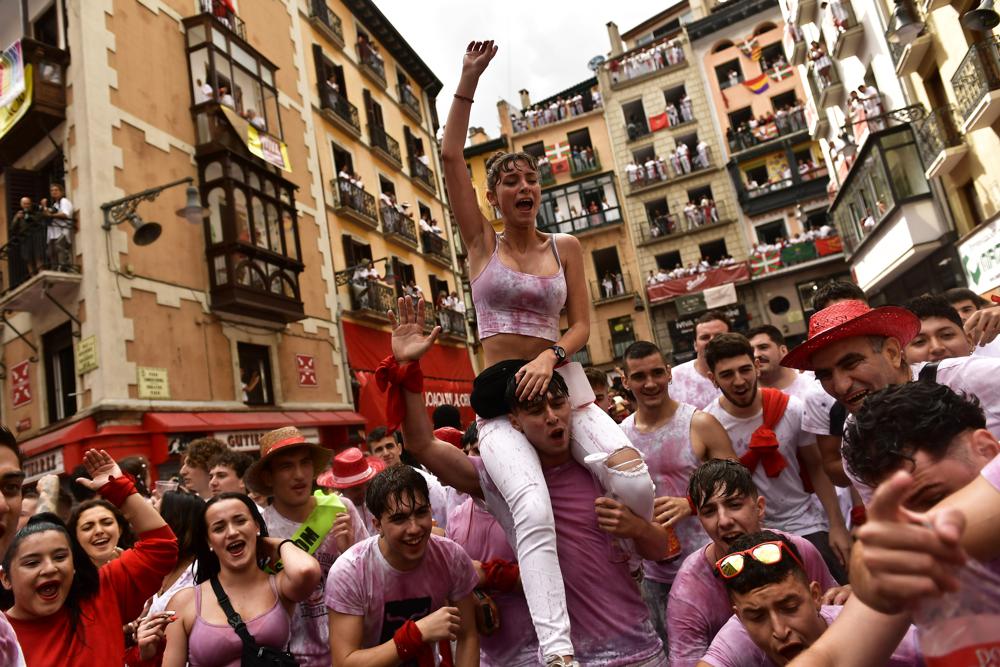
x=669, y=289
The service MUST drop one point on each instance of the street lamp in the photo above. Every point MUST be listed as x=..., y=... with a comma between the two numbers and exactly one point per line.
x=906, y=27
x=124, y=210
x=981, y=19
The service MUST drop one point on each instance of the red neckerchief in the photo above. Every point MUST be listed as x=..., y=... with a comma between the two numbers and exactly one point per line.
x=763, y=441
x=392, y=378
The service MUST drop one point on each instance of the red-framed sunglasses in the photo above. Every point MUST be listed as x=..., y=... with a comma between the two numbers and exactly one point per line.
x=767, y=553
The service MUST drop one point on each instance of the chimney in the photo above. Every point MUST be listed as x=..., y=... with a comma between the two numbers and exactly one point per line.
x=525, y=99
x=617, y=47
x=477, y=135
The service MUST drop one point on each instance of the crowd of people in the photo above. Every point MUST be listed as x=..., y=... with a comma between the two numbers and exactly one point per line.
x=692, y=269
x=561, y=108
x=704, y=212
x=755, y=131
x=682, y=160
x=644, y=61
x=41, y=234
x=824, y=231
x=204, y=92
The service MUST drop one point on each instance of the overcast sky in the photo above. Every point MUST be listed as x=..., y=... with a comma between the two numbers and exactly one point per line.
x=544, y=44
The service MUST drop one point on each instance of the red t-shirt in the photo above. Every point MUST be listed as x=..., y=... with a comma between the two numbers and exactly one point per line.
x=126, y=584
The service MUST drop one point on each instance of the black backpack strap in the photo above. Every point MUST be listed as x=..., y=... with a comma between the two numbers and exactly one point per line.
x=928, y=373
x=235, y=620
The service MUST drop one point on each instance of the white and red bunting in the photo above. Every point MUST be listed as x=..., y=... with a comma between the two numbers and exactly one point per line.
x=306, y=366
x=20, y=384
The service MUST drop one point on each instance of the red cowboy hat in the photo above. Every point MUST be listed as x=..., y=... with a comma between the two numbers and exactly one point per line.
x=276, y=441
x=350, y=468
x=848, y=319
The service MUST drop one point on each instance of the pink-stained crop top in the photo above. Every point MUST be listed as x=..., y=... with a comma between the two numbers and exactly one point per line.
x=511, y=302
x=211, y=645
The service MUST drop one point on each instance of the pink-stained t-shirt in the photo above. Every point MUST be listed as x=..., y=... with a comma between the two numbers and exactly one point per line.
x=610, y=625
x=788, y=507
x=991, y=471
x=363, y=583
x=734, y=648
x=10, y=650
x=689, y=386
x=473, y=528
x=310, y=641
x=668, y=455
x=699, y=605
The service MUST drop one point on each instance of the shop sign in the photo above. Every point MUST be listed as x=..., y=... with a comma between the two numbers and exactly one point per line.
x=43, y=464
x=980, y=255
x=86, y=355
x=153, y=383
x=306, y=366
x=249, y=441
x=690, y=303
x=23, y=425
x=20, y=384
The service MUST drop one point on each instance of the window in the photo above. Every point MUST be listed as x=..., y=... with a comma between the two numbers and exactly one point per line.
x=803, y=156
x=644, y=154
x=437, y=287
x=60, y=373
x=580, y=205
x=740, y=116
x=622, y=335
x=403, y=275
x=386, y=187
x=674, y=95
x=579, y=139
x=755, y=177
x=729, y=73
x=373, y=110
x=783, y=100
x=971, y=203
x=45, y=28
x=722, y=46
x=713, y=251
x=635, y=120
x=697, y=194
x=669, y=260
x=770, y=232
x=656, y=208
x=767, y=26
x=355, y=252
x=606, y=261
x=691, y=140
x=535, y=150
x=816, y=219
x=772, y=55
x=425, y=212
x=255, y=373
x=342, y=160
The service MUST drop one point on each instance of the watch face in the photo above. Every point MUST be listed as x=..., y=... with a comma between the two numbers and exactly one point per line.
x=560, y=352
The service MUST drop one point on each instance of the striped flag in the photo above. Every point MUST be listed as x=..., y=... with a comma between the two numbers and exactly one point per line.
x=757, y=85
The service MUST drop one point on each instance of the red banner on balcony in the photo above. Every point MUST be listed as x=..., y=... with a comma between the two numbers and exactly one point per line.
x=658, y=122
x=448, y=373
x=828, y=246
x=698, y=283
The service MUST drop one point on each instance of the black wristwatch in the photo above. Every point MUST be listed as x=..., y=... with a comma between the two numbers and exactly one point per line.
x=560, y=353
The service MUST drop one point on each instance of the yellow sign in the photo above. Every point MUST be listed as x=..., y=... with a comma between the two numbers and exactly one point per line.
x=86, y=355
x=13, y=112
x=268, y=148
x=153, y=383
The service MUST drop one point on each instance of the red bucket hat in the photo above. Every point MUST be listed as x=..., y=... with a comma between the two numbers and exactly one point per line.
x=848, y=319
x=350, y=468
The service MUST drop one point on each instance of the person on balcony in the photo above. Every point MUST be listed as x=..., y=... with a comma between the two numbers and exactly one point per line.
x=839, y=15
x=436, y=228
x=652, y=173
x=522, y=349
x=28, y=233
x=361, y=282
x=256, y=120
x=821, y=63
x=683, y=151
x=871, y=100
x=687, y=112
x=332, y=91
x=702, y=159
x=58, y=214
x=733, y=78
x=457, y=304
x=676, y=51
x=607, y=285
x=203, y=92
x=226, y=98
x=692, y=216
x=673, y=116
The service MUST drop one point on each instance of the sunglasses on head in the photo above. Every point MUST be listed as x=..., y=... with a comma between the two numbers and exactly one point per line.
x=767, y=553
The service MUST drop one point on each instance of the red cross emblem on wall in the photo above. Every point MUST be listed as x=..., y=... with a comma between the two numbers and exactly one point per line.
x=20, y=384
x=306, y=365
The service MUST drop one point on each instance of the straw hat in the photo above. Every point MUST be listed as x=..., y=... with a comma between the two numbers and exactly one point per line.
x=275, y=442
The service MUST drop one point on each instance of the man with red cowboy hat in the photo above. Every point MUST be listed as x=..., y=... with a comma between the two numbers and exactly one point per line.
x=323, y=525
x=765, y=426
x=350, y=476
x=856, y=350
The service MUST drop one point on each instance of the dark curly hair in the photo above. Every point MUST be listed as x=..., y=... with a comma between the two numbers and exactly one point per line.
x=727, y=346
x=897, y=422
x=725, y=476
x=400, y=483
x=557, y=387
x=933, y=305
x=756, y=574
x=501, y=162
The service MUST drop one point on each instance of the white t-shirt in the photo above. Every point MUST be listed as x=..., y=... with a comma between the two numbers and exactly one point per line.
x=789, y=507
x=991, y=349
x=689, y=386
x=59, y=227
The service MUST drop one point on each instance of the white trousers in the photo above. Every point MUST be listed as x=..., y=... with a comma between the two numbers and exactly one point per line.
x=513, y=465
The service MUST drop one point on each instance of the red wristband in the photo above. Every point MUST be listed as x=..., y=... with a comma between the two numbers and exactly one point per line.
x=858, y=516
x=501, y=575
x=409, y=642
x=118, y=489
x=392, y=378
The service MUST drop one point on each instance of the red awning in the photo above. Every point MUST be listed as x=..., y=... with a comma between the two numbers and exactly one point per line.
x=71, y=433
x=448, y=373
x=181, y=422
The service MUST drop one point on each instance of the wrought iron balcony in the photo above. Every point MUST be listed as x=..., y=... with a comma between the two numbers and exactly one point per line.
x=584, y=163
x=695, y=218
x=226, y=16
x=372, y=64
x=782, y=192
x=29, y=253
x=976, y=83
x=256, y=282
x=372, y=299
x=423, y=174
x=326, y=21
x=583, y=222
x=411, y=104
x=336, y=107
x=613, y=287
x=648, y=60
x=353, y=202
x=385, y=146
x=452, y=323
x=675, y=168
x=940, y=143
x=908, y=57
x=397, y=227
x=435, y=246
x=828, y=84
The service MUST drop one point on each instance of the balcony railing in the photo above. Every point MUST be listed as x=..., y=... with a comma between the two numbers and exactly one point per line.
x=828, y=84
x=976, y=82
x=328, y=22
x=371, y=63
x=545, y=174
x=410, y=102
x=29, y=250
x=343, y=112
x=940, y=143
x=535, y=117
x=451, y=321
x=787, y=123
x=764, y=261
x=677, y=166
x=435, y=245
x=385, y=144
x=398, y=226
x=612, y=287
x=648, y=59
x=583, y=222
x=372, y=297
x=422, y=173
x=849, y=32
x=584, y=161
x=226, y=16
x=255, y=282
x=691, y=219
x=355, y=200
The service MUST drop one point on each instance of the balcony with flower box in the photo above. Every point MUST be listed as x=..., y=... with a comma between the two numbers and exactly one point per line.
x=976, y=83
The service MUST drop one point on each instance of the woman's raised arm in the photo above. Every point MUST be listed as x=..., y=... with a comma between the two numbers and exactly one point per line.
x=471, y=222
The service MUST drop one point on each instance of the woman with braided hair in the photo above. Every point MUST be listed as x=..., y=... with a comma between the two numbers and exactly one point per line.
x=522, y=280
